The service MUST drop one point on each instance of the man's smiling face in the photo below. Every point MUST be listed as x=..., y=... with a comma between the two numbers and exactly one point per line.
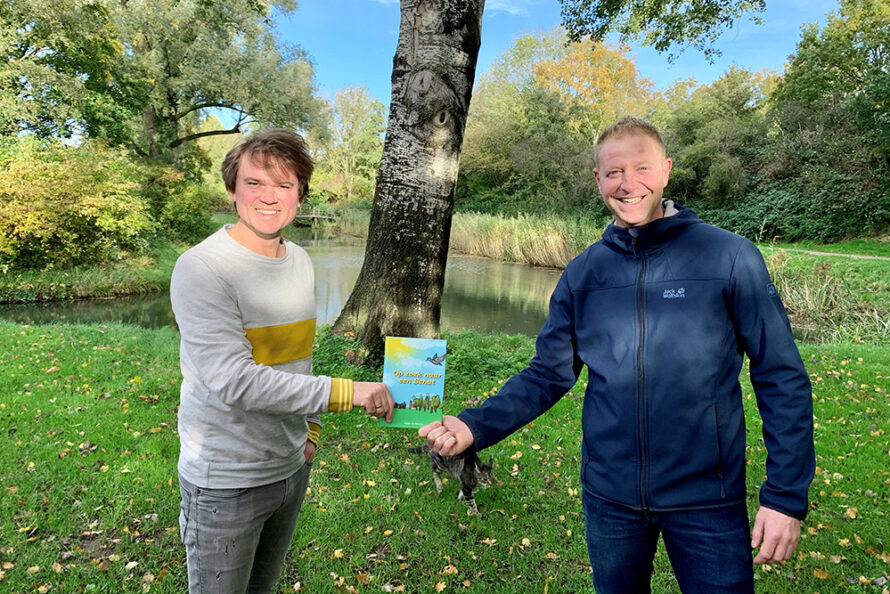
x=631, y=174
x=266, y=199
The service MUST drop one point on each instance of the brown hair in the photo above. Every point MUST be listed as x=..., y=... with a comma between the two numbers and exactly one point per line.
x=284, y=146
x=629, y=126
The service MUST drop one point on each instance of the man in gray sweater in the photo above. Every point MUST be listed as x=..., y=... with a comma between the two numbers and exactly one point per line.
x=249, y=416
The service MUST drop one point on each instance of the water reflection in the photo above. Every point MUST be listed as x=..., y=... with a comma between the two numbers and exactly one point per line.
x=479, y=294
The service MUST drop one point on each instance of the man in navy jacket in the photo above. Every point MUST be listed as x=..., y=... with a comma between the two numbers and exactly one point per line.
x=662, y=311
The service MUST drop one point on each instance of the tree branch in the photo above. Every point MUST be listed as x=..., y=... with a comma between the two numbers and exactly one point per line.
x=236, y=129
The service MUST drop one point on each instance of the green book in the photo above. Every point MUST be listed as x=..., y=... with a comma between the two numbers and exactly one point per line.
x=414, y=372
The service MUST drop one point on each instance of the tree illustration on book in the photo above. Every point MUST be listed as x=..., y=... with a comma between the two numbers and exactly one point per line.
x=414, y=372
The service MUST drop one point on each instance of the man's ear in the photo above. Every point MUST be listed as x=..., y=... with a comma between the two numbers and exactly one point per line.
x=666, y=167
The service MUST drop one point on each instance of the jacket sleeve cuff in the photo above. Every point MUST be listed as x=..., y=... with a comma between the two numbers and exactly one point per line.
x=341, y=395
x=314, y=432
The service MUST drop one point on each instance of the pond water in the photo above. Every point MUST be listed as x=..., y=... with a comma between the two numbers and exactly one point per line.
x=479, y=294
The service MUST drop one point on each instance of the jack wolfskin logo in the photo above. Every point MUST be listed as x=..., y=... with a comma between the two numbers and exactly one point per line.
x=771, y=290
x=674, y=293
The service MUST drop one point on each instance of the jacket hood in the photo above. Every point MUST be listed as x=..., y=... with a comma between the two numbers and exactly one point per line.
x=651, y=235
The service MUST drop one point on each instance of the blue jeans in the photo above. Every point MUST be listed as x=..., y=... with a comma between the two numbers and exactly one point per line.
x=709, y=549
x=236, y=539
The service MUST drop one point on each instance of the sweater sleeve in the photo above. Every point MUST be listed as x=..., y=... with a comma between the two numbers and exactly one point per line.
x=216, y=356
x=530, y=393
x=780, y=381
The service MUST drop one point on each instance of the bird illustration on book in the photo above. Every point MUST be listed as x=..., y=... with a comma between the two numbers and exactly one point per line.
x=436, y=359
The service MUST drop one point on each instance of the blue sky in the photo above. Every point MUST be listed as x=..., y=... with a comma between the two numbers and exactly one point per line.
x=352, y=42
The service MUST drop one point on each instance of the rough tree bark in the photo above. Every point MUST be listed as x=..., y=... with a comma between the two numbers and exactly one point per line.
x=399, y=289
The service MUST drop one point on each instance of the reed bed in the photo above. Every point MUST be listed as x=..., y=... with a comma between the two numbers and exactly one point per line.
x=822, y=304
x=537, y=241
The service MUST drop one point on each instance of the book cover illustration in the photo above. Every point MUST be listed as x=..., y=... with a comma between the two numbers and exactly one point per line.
x=414, y=372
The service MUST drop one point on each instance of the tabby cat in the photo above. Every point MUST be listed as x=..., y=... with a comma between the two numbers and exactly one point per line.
x=467, y=467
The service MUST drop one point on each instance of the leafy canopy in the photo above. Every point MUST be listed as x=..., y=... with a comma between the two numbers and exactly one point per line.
x=660, y=23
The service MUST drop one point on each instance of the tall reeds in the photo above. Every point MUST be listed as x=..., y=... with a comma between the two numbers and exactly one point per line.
x=822, y=307
x=537, y=241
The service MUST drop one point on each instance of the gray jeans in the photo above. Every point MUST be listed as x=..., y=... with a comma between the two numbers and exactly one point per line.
x=236, y=539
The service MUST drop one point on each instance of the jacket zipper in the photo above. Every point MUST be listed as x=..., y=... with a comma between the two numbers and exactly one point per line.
x=641, y=378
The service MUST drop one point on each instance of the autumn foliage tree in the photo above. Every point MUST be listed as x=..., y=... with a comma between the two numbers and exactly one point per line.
x=534, y=118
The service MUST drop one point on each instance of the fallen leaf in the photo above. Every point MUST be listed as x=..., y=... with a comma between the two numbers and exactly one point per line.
x=440, y=586
x=363, y=578
x=450, y=570
x=851, y=513
x=821, y=574
x=338, y=554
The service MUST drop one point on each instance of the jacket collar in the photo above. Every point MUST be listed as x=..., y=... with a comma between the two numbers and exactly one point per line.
x=653, y=235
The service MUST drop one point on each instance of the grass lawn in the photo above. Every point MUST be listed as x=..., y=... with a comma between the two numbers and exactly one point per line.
x=89, y=499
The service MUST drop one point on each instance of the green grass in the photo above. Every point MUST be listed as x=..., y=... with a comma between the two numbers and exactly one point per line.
x=90, y=501
x=870, y=246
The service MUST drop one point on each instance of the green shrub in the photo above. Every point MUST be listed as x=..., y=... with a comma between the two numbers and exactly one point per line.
x=65, y=206
x=181, y=206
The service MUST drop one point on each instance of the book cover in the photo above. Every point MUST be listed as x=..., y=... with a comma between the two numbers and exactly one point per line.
x=414, y=372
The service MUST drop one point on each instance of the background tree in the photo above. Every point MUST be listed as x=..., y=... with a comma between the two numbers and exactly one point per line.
x=350, y=147
x=534, y=119
x=58, y=57
x=145, y=72
x=663, y=24
x=398, y=291
x=202, y=55
x=715, y=134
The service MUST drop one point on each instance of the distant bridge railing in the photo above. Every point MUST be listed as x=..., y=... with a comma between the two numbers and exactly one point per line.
x=312, y=215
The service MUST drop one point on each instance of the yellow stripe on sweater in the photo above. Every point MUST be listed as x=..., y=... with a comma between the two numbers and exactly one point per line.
x=279, y=344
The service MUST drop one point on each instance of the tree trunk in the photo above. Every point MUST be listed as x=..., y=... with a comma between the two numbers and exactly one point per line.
x=399, y=289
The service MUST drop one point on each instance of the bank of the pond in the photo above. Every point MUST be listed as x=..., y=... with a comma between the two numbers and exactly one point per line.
x=91, y=501
x=829, y=298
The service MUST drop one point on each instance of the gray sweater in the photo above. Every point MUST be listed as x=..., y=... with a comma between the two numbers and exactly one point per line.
x=248, y=396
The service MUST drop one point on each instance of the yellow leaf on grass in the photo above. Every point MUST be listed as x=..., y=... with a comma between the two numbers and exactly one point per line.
x=851, y=513
x=338, y=554
x=821, y=574
x=450, y=570
x=440, y=586
x=363, y=578
x=33, y=569
x=516, y=456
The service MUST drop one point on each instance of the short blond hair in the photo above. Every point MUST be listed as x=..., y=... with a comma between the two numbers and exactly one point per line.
x=628, y=126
